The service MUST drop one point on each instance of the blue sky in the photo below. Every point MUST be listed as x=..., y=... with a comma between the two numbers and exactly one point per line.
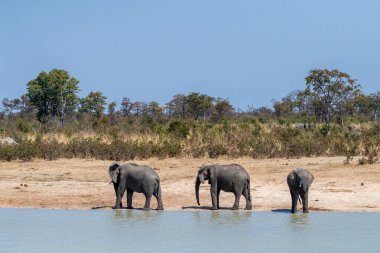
x=247, y=51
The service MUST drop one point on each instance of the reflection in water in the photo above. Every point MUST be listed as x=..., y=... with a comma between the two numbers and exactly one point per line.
x=117, y=214
x=128, y=215
x=222, y=217
x=299, y=219
x=197, y=216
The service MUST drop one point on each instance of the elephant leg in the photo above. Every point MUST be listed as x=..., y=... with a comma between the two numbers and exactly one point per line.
x=115, y=186
x=295, y=196
x=214, y=196
x=305, y=200
x=217, y=198
x=160, y=205
x=248, y=200
x=129, y=198
x=120, y=193
x=237, y=200
x=147, y=202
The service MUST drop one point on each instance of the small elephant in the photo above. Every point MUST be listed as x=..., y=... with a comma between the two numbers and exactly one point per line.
x=299, y=181
x=229, y=178
x=132, y=178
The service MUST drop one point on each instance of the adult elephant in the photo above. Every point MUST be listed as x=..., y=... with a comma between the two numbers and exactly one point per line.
x=229, y=178
x=299, y=181
x=132, y=178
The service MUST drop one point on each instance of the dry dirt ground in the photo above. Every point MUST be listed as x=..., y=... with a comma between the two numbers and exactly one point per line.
x=84, y=184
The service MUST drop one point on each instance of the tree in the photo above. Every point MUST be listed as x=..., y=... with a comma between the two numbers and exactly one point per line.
x=154, y=109
x=375, y=104
x=223, y=108
x=199, y=105
x=94, y=103
x=363, y=104
x=283, y=107
x=126, y=106
x=331, y=93
x=9, y=106
x=302, y=103
x=111, y=112
x=138, y=108
x=177, y=107
x=264, y=111
x=25, y=106
x=111, y=108
x=53, y=94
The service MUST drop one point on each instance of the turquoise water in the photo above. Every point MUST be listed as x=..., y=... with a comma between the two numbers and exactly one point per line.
x=40, y=230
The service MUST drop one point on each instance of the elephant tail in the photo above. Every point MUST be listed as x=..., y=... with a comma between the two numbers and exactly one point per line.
x=300, y=200
x=249, y=190
x=157, y=191
x=160, y=205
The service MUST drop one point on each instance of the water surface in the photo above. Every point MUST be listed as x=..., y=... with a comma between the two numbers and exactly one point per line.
x=39, y=230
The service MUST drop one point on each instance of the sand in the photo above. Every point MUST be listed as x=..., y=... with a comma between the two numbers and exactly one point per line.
x=84, y=184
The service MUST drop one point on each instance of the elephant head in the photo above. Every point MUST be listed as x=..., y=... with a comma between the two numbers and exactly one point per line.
x=303, y=180
x=114, y=171
x=205, y=172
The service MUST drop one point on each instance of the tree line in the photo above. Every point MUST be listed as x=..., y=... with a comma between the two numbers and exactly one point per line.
x=328, y=96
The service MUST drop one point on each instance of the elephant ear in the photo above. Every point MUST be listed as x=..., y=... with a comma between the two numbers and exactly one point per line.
x=211, y=174
x=201, y=174
x=311, y=178
x=114, y=171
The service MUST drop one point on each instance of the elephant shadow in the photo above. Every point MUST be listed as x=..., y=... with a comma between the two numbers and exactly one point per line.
x=203, y=208
x=281, y=210
x=112, y=208
x=101, y=207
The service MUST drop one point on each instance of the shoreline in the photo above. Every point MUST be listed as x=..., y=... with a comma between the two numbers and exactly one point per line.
x=241, y=210
x=82, y=184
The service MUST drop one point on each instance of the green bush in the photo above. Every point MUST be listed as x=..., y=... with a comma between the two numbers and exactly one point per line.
x=179, y=129
x=24, y=126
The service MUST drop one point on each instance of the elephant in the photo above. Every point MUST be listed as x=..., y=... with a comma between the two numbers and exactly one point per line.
x=299, y=181
x=132, y=178
x=229, y=178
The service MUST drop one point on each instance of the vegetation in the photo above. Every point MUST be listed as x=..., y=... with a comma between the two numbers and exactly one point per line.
x=331, y=116
x=53, y=94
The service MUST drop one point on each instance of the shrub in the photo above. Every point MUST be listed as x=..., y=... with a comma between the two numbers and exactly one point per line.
x=24, y=126
x=50, y=150
x=179, y=129
x=232, y=138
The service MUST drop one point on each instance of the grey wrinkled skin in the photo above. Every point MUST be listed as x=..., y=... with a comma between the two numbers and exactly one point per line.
x=229, y=178
x=299, y=181
x=132, y=178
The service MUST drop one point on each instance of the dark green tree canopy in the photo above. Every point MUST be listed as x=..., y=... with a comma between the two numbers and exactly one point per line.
x=53, y=94
x=223, y=108
x=94, y=103
x=199, y=105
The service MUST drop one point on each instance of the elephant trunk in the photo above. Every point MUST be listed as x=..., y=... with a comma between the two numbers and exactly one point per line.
x=304, y=188
x=197, y=185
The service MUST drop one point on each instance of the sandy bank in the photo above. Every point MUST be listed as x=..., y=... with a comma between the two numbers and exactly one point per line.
x=84, y=184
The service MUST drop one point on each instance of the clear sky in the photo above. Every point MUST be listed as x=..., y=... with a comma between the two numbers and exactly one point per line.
x=247, y=51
